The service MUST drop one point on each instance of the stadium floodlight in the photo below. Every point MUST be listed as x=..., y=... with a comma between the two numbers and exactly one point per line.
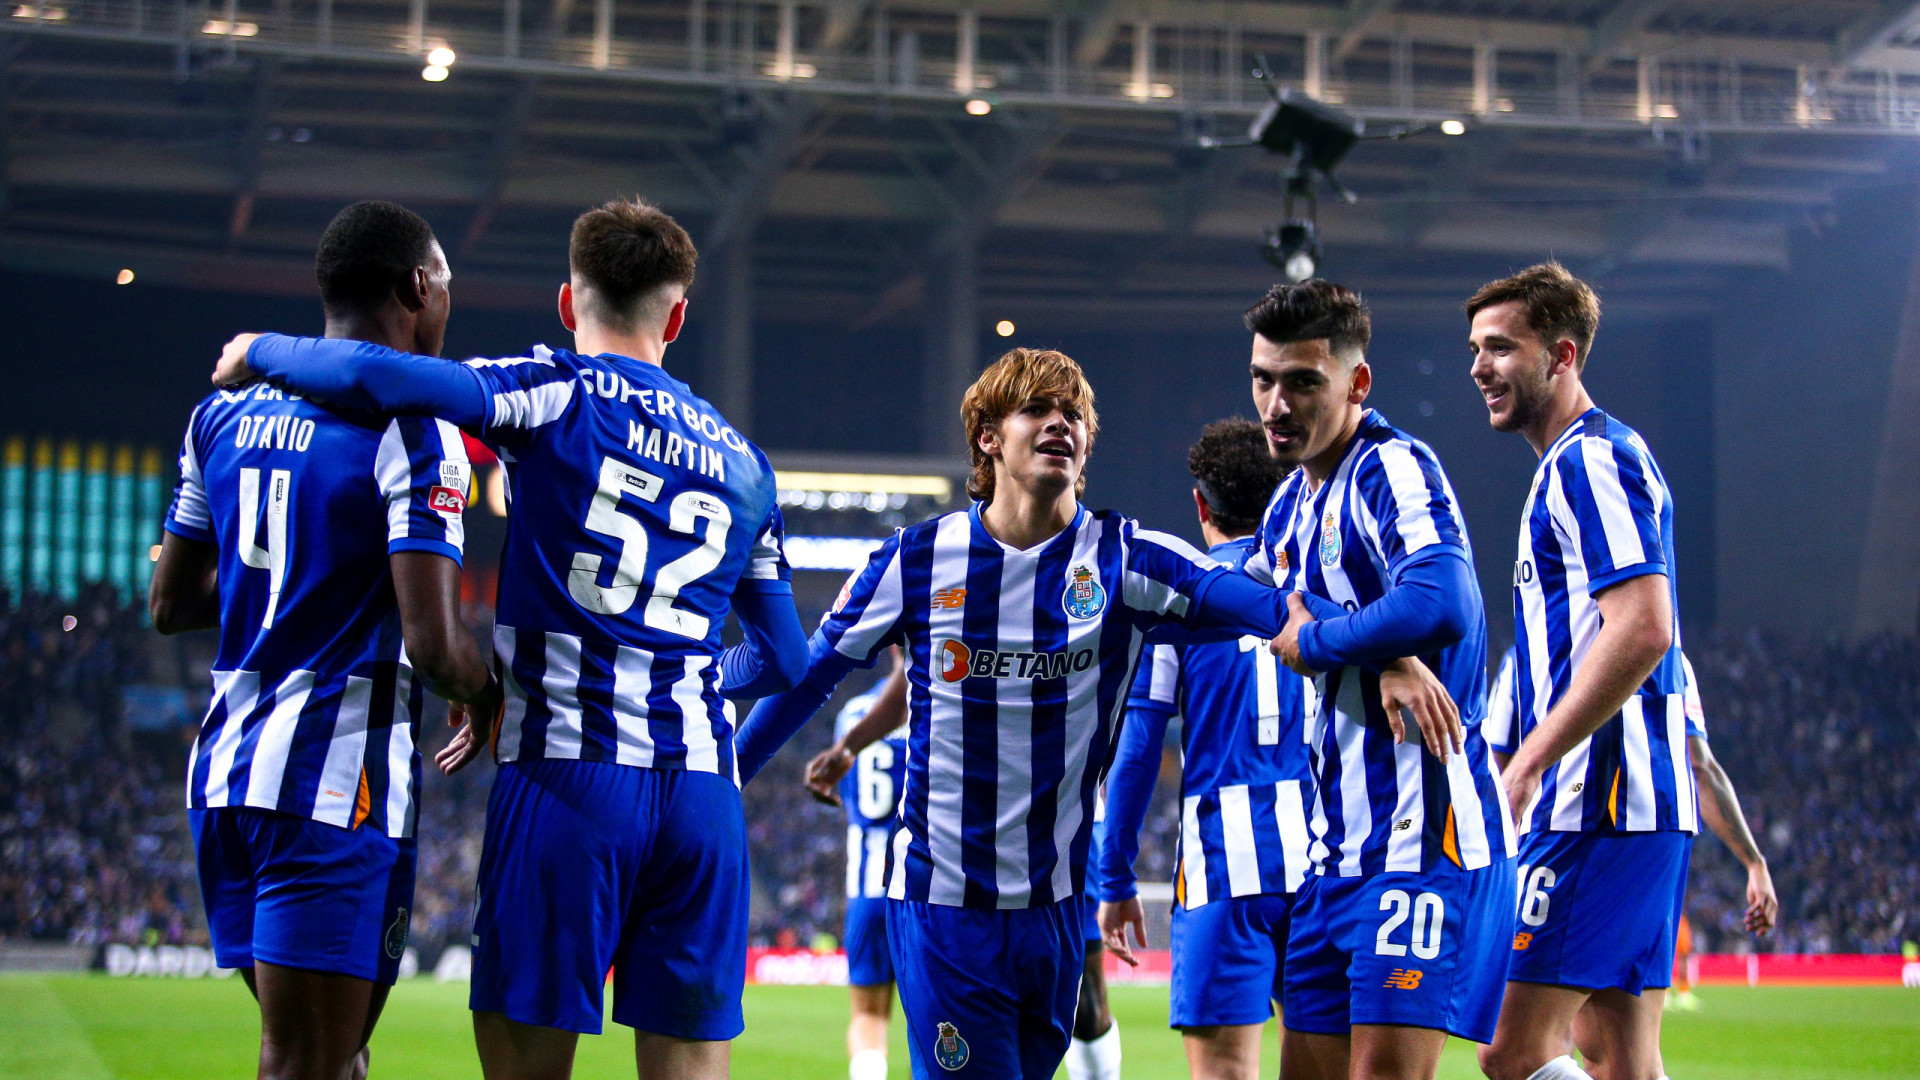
x=124, y=277
x=1293, y=247
x=434, y=73
x=441, y=57
x=979, y=107
x=1452, y=127
x=1004, y=328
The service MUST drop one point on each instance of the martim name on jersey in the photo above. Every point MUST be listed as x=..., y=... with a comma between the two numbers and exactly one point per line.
x=668, y=448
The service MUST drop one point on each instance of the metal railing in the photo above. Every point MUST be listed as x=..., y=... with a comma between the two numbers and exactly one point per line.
x=718, y=47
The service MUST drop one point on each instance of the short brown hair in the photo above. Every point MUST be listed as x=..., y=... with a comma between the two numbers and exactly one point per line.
x=1010, y=382
x=624, y=251
x=1235, y=473
x=1558, y=305
x=1312, y=310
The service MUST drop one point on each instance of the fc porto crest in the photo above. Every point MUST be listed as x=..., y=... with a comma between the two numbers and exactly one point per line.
x=396, y=939
x=950, y=1050
x=1084, y=599
x=1329, y=540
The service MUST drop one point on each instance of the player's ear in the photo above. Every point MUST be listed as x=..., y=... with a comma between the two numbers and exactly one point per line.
x=567, y=318
x=1566, y=357
x=676, y=321
x=1360, y=384
x=413, y=293
x=989, y=440
x=1200, y=506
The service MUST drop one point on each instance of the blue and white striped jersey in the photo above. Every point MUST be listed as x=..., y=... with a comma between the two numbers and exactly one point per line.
x=1599, y=514
x=1378, y=806
x=636, y=513
x=1503, y=705
x=315, y=709
x=1018, y=668
x=870, y=794
x=1246, y=774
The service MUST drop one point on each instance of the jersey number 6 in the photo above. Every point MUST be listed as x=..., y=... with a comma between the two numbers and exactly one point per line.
x=617, y=478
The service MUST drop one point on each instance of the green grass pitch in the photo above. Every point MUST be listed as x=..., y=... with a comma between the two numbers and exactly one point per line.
x=95, y=1028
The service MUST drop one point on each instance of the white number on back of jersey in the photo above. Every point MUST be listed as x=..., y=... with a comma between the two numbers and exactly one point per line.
x=617, y=478
x=1429, y=914
x=273, y=557
x=1266, y=689
x=1534, y=901
x=873, y=782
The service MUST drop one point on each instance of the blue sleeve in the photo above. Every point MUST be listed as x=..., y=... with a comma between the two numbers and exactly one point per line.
x=189, y=515
x=774, y=656
x=372, y=378
x=1129, y=790
x=776, y=719
x=1429, y=607
x=425, y=478
x=1228, y=605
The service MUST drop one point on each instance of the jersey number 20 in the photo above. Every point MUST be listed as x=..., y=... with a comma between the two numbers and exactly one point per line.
x=617, y=478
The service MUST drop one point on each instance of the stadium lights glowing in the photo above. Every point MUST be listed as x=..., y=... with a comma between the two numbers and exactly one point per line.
x=979, y=107
x=223, y=28
x=124, y=277
x=829, y=552
x=439, y=64
x=872, y=492
x=1452, y=127
x=441, y=57
x=35, y=11
x=434, y=73
x=1004, y=328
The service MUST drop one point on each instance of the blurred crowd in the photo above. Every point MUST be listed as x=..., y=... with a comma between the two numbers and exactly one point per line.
x=1819, y=738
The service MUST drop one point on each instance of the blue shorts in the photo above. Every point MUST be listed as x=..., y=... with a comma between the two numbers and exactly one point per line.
x=1228, y=957
x=1598, y=910
x=869, y=963
x=301, y=893
x=988, y=993
x=1424, y=950
x=589, y=865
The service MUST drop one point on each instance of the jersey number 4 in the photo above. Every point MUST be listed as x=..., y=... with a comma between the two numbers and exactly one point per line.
x=684, y=512
x=273, y=557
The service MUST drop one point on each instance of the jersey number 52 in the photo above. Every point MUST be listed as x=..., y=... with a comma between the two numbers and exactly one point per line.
x=617, y=478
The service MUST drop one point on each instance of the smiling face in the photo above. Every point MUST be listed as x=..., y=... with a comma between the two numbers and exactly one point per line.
x=1513, y=366
x=1308, y=398
x=1040, y=447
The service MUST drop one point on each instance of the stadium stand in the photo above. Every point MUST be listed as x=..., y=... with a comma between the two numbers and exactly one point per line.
x=94, y=847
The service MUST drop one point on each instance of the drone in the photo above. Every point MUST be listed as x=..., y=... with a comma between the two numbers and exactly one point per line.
x=1313, y=137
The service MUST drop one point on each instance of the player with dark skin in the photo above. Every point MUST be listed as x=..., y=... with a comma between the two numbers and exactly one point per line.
x=315, y=1025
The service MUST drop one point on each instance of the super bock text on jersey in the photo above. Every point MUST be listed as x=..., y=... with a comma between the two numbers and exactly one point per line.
x=1018, y=668
x=314, y=710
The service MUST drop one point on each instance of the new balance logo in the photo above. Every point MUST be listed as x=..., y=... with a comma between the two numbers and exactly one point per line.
x=1403, y=824
x=950, y=598
x=1522, y=942
x=1403, y=979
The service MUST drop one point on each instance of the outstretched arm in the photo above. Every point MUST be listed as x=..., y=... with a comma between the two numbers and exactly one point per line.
x=776, y=719
x=1720, y=806
x=773, y=658
x=889, y=711
x=1129, y=790
x=358, y=375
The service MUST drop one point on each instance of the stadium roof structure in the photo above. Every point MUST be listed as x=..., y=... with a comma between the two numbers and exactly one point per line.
x=848, y=163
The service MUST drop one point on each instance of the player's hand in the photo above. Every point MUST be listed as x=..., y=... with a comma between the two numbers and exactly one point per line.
x=825, y=771
x=1763, y=906
x=1287, y=645
x=475, y=722
x=1114, y=918
x=1409, y=685
x=232, y=370
x=1522, y=784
